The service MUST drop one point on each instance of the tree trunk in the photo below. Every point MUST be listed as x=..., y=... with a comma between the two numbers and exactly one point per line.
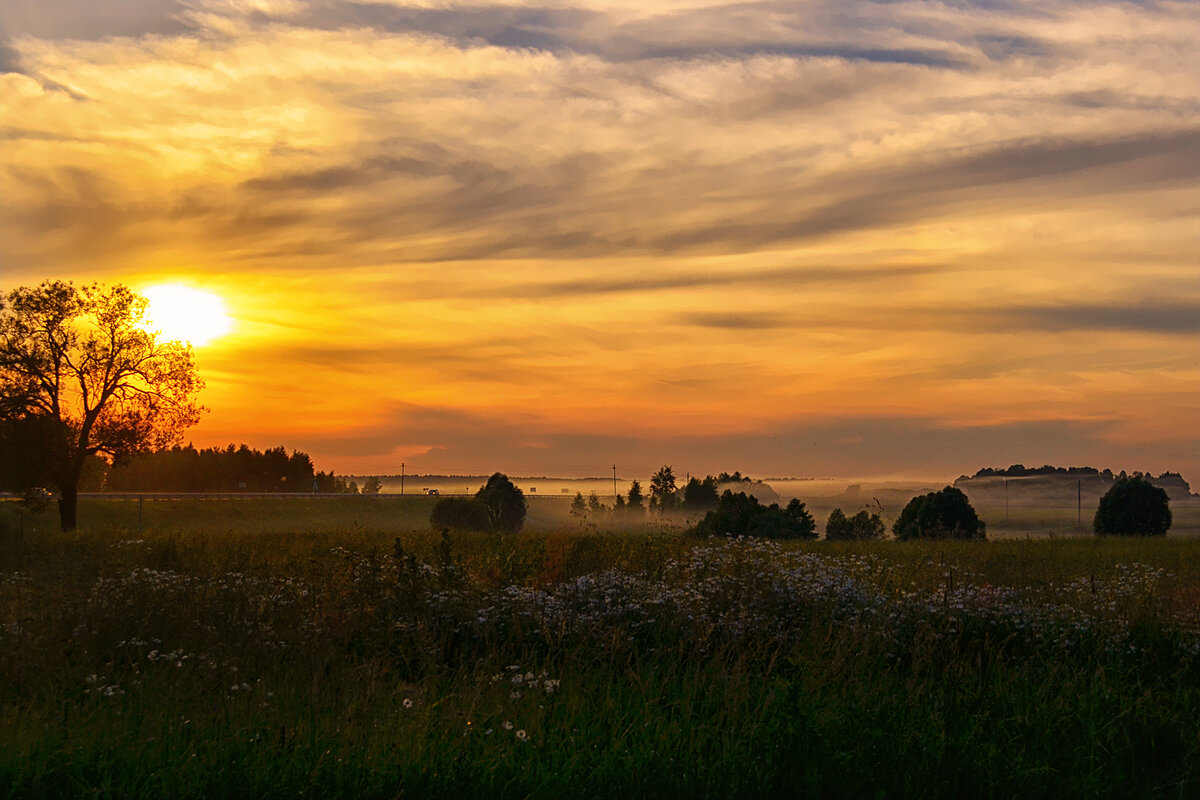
x=68, y=507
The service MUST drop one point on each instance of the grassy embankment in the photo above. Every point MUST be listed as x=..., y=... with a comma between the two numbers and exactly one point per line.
x=336, y=655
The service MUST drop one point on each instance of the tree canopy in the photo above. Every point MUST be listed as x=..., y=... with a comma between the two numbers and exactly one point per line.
x=700, y=495
x=80, y=376
x=741, y=514
x=503, y=503
x=499, y=506
x=863, y=525
x=947, y=514
x=636, y=498
x=664, y=495
x=1133, y=507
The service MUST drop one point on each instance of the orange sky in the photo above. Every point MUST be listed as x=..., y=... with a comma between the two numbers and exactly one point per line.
x=810, y=238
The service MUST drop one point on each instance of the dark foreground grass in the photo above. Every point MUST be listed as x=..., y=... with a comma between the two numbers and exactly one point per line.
x=642, y=665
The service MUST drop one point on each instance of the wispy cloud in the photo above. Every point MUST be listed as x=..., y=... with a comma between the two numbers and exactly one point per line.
x=659, y=218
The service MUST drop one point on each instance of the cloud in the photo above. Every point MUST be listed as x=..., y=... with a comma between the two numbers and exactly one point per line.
x=88, y=19
x=853, y=447
x=1165, y=316
x=664, y=221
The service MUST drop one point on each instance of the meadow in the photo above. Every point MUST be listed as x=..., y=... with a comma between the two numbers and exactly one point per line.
x=339, y=648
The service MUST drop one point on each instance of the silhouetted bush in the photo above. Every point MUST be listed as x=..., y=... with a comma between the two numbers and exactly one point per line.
x=700, y=495
x=1133, y=507
x=503, y=504
x=939, y=515
x=458, y=513
x=742, y=515
x=863, y=525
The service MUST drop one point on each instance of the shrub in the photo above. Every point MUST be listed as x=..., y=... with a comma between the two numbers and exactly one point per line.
x=1133, y=507
x=458, y=513
x=863, y=525
x=939, y=515
x=742, y=515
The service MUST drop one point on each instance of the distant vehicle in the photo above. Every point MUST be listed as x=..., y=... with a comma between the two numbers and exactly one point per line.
x=37, y=498
x=432, y=492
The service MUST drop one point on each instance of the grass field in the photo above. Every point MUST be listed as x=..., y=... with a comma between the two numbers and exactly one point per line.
x=314, y=648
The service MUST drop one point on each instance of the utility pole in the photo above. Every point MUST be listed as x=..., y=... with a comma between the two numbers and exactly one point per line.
x=401, y=477
x=1006, y=499
x=615, y=495
x=1079, y=502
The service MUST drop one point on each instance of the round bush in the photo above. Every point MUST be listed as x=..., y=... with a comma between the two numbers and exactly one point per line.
x=947, y=514
x=1133, y=506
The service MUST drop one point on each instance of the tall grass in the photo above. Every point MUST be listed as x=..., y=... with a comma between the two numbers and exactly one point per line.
x=358, y=662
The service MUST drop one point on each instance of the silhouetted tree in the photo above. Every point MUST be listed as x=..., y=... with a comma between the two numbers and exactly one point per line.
x=700, y=495
x=79, y=376
x=1133, y=507
x=863, y=525
x=663, y=493
x=372, y=485
x=947, y=514
x=215, y=469
x=503, y=502
x=328, y=483
x=636, y=499
x=741, y=514
x=458, y=513
x=579, y=507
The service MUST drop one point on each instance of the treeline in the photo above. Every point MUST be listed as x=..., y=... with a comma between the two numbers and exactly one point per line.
x=237, y=468
x=1098, y=480
x=1022, y=471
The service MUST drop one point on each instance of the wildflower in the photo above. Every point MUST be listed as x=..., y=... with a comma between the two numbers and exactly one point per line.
x=408, y=703
x=508, y=726
x=522, y=736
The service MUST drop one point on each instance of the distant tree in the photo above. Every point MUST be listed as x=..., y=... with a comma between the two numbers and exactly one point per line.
x=1133, y=507
x=594, y=505
x=636, y=499
x=372, y=485
x=741, y=514
x=215, y=469
x=663, y=492
x=803, y=526
x=619, y=505
x=504, y=504
x=863, y=525
x=80, y=377
x=736, y=477
x=458, y=513
x=947, y=514
x=579, y=507
x=700, y=495
x=328, y=483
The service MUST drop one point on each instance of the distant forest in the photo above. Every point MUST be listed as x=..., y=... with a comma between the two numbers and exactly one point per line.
x=230, y=469
x=1090, y=479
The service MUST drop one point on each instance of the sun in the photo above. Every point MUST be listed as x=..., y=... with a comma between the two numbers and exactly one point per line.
x=187, y=314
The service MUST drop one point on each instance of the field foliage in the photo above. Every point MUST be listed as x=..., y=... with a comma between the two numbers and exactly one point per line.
x=360, y=662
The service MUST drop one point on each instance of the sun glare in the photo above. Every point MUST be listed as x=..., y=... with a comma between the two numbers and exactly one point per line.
x=186, y=314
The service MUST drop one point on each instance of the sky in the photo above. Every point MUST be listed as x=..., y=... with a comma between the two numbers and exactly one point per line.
x=812, y=238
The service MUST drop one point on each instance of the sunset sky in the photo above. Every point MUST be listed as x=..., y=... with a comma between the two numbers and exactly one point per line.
x=815, y=237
